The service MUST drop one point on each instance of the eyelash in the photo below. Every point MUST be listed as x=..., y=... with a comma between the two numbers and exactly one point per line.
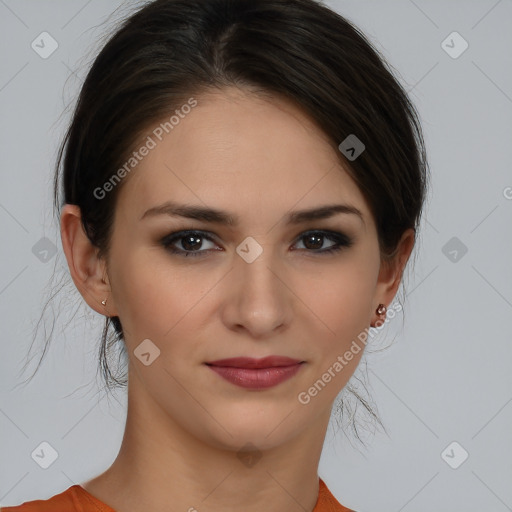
x=341, y=241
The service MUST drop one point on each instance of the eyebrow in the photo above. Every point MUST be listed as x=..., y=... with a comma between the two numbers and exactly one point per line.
x=225, y=218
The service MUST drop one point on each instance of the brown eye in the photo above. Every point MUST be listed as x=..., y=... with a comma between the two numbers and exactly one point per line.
x=314, y=241
x=190, y=241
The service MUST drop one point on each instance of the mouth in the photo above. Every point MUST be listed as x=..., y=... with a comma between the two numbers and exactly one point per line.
x=251, y=363
x=255, y=374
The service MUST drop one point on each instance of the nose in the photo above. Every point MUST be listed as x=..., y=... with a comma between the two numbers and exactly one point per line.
x=258, y=298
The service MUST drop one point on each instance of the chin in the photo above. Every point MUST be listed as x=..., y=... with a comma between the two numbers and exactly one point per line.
x=265, y=429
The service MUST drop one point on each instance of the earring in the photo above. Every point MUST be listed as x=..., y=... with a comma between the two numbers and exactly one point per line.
x=381, y=309
x=104, y=302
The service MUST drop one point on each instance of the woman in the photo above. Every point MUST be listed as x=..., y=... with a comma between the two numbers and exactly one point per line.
x=242, y=185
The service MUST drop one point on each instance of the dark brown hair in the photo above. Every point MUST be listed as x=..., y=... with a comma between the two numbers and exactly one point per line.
x=171, y=50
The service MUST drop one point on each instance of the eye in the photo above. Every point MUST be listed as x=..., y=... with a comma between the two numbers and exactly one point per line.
x=192, y=242
x=316, y=239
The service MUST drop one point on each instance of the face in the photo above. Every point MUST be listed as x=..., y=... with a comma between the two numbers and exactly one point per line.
x=268, y=283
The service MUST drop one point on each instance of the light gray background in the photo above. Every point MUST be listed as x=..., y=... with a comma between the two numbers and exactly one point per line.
x=447, y=375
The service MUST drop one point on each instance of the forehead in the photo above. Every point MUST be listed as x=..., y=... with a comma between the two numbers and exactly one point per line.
x=240, y=152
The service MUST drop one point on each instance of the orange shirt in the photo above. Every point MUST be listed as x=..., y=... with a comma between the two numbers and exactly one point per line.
x=77, y=499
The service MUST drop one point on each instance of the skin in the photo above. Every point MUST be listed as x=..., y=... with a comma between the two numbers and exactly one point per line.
x=259, y=159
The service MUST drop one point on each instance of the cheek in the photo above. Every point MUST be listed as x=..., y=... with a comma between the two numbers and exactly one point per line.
x=156, y=298
x=342, y=307
x=342, y=299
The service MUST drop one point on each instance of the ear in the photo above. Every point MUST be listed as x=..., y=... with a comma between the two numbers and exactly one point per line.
x=390, y=274
x=87, y=271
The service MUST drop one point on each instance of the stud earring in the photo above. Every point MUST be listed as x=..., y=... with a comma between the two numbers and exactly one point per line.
x=381, y=309
x=104, y=302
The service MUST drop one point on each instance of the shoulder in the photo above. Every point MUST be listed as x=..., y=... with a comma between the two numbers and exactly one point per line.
x=327, y=502
x=73, y=499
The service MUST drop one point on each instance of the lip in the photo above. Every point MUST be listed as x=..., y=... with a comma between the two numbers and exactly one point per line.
x=250, y=362
x=251, y=373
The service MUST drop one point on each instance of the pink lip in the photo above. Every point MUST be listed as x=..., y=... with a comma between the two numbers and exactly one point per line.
x=252, y=373
x=250, y=362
